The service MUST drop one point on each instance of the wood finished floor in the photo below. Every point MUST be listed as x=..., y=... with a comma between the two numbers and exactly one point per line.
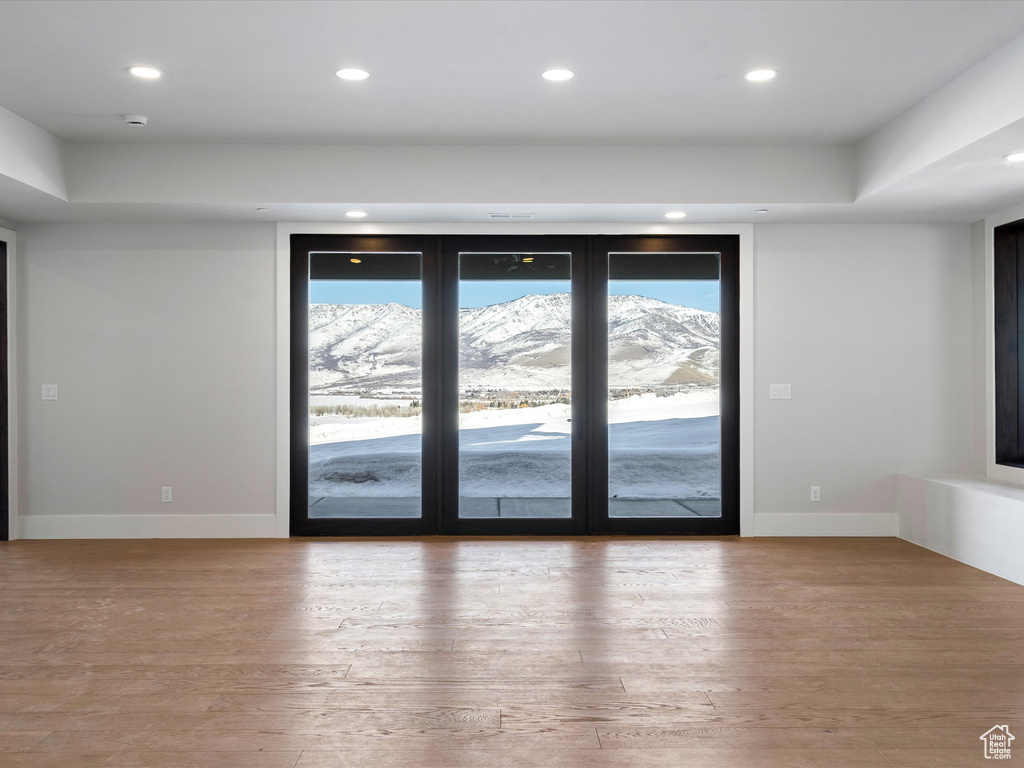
x=539, y=653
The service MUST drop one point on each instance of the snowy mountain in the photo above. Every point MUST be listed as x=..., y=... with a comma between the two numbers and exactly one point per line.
x=521, y=345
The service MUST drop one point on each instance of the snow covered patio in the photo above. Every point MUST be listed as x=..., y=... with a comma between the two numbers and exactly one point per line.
x=325, y=507
x=664, y=461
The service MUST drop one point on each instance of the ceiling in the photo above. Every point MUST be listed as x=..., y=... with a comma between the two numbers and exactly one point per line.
x=467, y=73
x=649, y=72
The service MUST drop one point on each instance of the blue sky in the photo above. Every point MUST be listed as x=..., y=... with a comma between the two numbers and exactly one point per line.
x=701, y=294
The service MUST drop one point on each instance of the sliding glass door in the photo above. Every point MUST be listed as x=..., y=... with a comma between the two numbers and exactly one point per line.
x=368, y=402
x=517, y=385
x=667, y=357
x=514, y=329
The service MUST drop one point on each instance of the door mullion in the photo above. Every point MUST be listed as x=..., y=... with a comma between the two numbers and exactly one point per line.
x=579, y=438
x=597, y=388
x=433, y=432
x=449, y=426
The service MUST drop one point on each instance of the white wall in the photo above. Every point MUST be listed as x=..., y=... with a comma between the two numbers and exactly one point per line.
x=161, y=340
x=979, y=343
x=871, y=325
x=458, y=174
x=978, y=520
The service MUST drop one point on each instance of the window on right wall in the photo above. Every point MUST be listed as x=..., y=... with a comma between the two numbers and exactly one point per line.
x=1009, y=342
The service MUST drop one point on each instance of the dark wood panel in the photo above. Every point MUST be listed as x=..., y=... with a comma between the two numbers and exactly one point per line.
x=1015, y=244
x=1006, y=346
x=4, y=406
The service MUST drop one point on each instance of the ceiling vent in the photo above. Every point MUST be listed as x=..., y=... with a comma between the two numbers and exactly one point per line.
x=510, y=216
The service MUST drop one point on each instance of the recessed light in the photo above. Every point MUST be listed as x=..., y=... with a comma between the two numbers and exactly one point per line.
x=1014, y=158
x=558, y=75
x=356, y=261
x=761, y=75
x=352, y=74
x=761, y=210
x=356, y=214
x=148, y=73
x=675, y=215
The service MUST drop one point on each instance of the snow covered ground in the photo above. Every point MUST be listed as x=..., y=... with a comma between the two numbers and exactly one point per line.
x=353, y=400
x=659, y=447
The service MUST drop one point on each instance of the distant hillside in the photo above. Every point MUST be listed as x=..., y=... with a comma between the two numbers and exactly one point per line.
x=521, y=344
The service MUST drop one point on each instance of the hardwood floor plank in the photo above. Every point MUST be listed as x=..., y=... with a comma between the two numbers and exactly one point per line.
x=644, y=738
x=19, y=741
x=245, y=759
x=709, y=717
x=493, y=696
x=597, y=758
x=112, y=703
x=941, y=700
x=85, y=741
x=74, y=687
x=937, y=758
x=320, y=721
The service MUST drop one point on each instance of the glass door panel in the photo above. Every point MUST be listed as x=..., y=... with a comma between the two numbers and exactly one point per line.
x=365, y=378
x=664, y=345
x=514, y=385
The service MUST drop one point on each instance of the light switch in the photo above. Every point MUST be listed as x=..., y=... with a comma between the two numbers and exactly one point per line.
x=780, y=392
x=49, y=391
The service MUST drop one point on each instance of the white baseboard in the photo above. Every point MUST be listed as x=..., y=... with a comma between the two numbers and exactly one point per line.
x=265, y=526
x=147, y=526
x=826, y=524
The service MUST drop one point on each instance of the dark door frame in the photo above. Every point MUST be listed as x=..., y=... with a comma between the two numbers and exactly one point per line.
x=440, y=474
x=1008, y=326
x=5, y=480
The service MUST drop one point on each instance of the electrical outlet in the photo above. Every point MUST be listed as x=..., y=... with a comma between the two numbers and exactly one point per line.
x=165, y=494
x=815, y=493
x=49, y=391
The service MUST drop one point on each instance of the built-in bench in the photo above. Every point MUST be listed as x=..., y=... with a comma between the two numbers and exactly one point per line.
x=974, y=520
